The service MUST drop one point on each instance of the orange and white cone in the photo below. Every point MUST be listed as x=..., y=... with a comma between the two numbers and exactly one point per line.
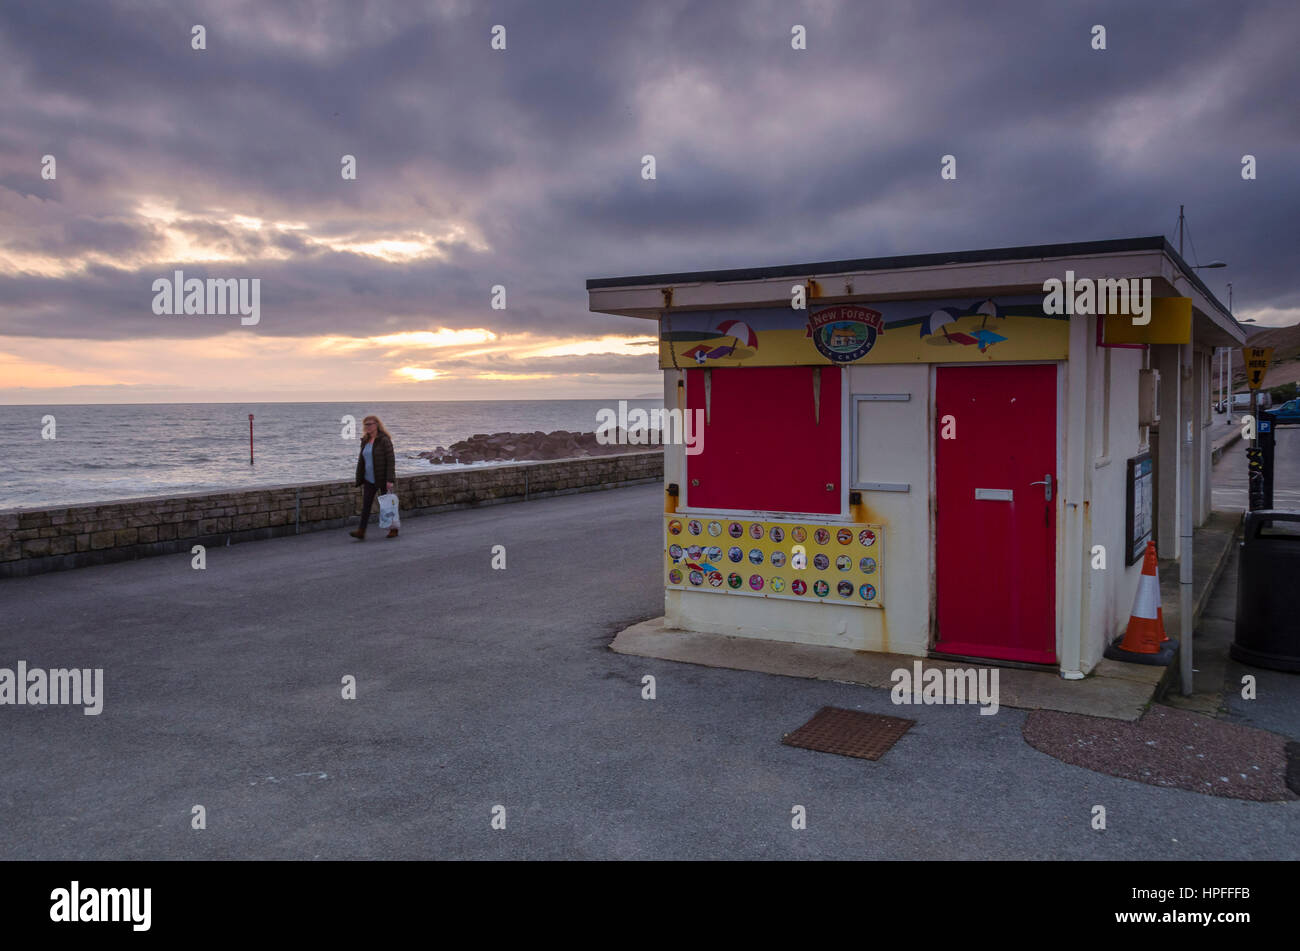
x=1146, y=624
x=1160, y=607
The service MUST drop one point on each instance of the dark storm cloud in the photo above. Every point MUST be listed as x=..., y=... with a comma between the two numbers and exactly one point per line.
x=764, y=155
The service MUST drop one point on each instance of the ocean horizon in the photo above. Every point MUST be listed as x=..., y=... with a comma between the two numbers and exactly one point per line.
x=103, y=452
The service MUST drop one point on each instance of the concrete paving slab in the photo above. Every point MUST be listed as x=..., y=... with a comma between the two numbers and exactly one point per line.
x=1122, y=697
x=1138, y=673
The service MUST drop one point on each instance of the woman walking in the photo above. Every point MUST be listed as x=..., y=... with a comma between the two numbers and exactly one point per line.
x=376, y=466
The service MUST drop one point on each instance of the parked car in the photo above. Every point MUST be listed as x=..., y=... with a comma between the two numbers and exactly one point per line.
x=1288, y=412
x=1241, y=401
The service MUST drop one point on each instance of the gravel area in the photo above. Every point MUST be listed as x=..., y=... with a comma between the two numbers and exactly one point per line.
x=1169, y=747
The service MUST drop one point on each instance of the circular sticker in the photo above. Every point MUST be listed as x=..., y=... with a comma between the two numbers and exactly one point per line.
x=675, y=551
x=694, y=527
x=845, y=589
x=735, y=530
x=756, y=531
x=734, y=553
x=777, y=534
x=844, y=536
x=715, y=528
x=777, y=584
x=822, y=537
x=821, y=562
x=675, y=576
x=867, y=591
x=799, y=533
x=798, y=586
x=734, y=580
x=844, y=563
x=674, y=527
x=868, y=566
x=755, y=556
x=867, y=537
x=821, y=588
x=697, y=577
x=778, y=559
x=715, y=578
x=713, y=553
x=694, y=552
x=756, y=582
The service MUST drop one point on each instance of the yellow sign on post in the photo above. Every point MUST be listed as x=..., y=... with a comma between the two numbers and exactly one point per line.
x=1257, y=361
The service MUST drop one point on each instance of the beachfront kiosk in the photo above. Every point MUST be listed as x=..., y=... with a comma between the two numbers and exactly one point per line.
x=931, y=454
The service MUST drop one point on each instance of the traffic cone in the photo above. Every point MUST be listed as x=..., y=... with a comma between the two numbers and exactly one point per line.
x=1160, y=607
x=1145, y=631
x=1145, y=641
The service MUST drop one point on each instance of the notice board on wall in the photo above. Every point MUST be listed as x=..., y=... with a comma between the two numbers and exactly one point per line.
x=1138, y=507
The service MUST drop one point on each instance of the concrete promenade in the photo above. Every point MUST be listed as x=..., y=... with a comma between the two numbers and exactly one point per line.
x=477, y=687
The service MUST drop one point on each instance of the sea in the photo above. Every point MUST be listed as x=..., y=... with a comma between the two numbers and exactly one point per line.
x=104, y=452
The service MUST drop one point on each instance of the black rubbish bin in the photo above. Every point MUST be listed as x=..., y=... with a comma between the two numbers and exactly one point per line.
x=1268, y=564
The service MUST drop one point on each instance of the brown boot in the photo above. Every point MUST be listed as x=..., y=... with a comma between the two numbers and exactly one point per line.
x=392, y=533
x=359, y=534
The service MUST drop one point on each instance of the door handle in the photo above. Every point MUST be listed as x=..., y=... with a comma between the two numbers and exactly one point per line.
x=1047, y=486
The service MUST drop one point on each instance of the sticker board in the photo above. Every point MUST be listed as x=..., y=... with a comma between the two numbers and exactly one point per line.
x=844, y=563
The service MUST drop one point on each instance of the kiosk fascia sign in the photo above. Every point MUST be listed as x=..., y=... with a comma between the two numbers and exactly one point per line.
x=949, y=330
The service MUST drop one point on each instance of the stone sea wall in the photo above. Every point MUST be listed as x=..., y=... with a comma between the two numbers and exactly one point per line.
x=35, y=541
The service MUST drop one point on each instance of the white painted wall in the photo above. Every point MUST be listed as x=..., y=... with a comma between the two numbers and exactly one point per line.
x=1110, y=592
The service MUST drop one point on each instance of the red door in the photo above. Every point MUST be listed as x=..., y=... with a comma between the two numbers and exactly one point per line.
x=995, y=520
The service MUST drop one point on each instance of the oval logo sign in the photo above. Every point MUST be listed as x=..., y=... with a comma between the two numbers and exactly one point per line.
x=845, y=332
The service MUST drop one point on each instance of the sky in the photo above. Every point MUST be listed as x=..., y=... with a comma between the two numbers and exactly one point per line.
x=521, y=168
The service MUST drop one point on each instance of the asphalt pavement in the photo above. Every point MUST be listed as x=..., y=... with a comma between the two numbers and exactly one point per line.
x=478, y=688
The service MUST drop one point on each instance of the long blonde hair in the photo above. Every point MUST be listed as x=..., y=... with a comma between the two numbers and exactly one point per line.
x=379, y=428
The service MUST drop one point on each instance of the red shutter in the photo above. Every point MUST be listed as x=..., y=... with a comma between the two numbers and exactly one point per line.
x=768, y=444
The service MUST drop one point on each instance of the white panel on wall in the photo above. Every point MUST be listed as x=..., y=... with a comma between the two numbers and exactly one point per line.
x=884, y=425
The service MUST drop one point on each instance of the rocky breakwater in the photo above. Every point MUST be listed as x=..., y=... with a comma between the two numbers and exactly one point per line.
x=534, y=446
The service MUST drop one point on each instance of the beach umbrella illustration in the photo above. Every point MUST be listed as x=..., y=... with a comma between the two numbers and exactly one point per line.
x=988, y=309
x=937, y=321
x=735, y=329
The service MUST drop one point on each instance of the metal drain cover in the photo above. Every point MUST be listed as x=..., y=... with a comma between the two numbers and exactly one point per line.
x=849, y=733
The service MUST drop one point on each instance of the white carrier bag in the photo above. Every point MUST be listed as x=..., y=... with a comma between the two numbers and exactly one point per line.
x=388, y=516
